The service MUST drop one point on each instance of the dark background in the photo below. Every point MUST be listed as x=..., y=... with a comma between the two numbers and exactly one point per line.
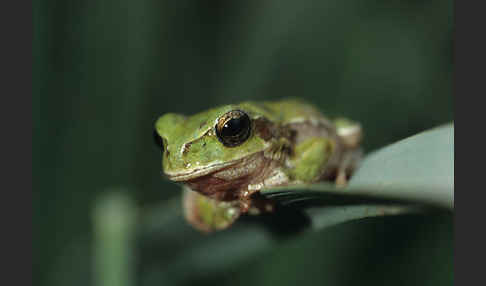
x=105, y=70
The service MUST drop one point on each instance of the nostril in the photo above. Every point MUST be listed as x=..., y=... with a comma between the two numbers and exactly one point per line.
x=158, y=140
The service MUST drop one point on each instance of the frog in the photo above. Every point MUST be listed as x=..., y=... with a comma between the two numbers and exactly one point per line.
x=226, y=155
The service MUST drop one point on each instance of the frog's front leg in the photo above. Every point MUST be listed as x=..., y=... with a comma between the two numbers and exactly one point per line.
x=207, y=214
x=309, y=159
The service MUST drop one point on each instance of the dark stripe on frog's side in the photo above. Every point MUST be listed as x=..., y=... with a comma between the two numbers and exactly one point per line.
x=305, y=129
x=268, y=130
x=263, y=127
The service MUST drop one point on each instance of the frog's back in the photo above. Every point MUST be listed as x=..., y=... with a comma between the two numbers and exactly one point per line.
x=286, y=111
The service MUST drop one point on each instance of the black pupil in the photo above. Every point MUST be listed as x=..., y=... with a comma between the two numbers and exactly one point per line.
x=235, y=126
x=158, y=140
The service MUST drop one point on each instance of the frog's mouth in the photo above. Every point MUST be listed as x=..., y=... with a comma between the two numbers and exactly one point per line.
x=225, y=170
x=201, y=171
x=222, y=181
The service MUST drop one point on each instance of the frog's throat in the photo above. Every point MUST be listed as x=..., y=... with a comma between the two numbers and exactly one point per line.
x=202, y=171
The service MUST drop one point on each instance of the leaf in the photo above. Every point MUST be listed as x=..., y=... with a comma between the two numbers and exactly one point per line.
x=114, y=217
x=419, y=168
x=407, y=176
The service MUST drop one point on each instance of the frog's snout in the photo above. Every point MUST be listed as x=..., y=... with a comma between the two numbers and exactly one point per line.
x=168, y=123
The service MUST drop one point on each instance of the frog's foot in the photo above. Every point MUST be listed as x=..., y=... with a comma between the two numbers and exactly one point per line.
x=261, y=205
x=206, y=214
x=341, y=179
x=255, y=204
x=245, y=205
x=246, y=201
x=347, y=166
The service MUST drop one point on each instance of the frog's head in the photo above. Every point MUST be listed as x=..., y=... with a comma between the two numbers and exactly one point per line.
x=194, y=146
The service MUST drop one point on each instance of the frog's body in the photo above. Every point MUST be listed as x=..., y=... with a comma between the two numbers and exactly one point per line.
x=227, y=154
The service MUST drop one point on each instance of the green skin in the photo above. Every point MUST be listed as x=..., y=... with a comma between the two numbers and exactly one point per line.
x=192, y=150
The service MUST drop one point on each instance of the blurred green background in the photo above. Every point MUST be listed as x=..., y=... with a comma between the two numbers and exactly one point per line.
x=105, y=70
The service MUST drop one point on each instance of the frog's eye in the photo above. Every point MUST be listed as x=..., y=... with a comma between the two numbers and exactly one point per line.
x=158, y=140
x=233, y=128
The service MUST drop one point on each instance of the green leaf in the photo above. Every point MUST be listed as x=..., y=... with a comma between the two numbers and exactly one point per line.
x=408, y=176
x=114, y=218
x=419, y=168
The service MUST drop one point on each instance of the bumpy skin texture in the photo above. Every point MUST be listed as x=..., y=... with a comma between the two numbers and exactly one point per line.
x=290, y=142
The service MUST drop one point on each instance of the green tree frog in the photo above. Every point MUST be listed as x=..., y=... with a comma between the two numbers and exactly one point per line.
x=224, y=156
